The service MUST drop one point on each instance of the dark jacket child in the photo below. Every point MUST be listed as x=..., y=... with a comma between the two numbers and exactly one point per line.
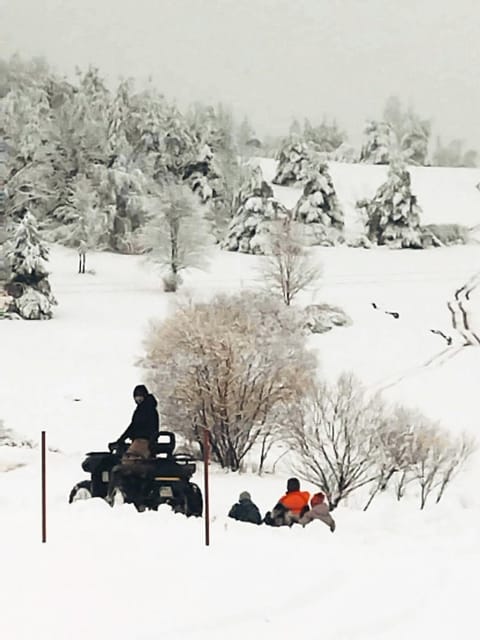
x=245, y=510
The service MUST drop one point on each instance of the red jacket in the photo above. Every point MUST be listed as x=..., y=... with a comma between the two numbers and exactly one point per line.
x=295, y=501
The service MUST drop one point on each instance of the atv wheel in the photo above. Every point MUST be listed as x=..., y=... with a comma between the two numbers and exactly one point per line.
x=81, y=491
x=117, y=498
x=194, y=501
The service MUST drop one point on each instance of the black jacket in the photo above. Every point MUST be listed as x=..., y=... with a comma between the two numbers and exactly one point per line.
x=246, y=511
x=145, y=422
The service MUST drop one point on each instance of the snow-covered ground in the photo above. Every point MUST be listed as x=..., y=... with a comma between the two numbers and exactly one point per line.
x=389, y=574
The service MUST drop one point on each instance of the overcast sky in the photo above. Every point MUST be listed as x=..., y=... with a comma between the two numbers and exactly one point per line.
x=272, y=59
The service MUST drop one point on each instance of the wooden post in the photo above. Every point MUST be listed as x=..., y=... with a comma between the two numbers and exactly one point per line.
x=44, y=488
x=206, y=457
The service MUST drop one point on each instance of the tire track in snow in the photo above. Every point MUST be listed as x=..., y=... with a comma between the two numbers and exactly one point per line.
x=460, y=323
x=459, y=314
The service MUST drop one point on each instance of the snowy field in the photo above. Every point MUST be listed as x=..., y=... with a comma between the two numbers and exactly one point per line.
x=389, y=574
x=393, y=573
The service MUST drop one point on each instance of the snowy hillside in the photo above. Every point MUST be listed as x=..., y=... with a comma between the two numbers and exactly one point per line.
x=389, y=574
x=447, y=196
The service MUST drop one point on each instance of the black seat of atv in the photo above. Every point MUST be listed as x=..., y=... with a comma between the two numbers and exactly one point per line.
x=165, y=445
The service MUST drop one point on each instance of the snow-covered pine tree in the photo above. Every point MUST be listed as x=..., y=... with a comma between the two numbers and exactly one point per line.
x=178, y=148
x=29, y=285
x=319, y=208
x=119, y=121
x=400, y=133
x=393, y=215
x=379, y=143
x=453, y=154
x=297, y=160
x=412, y=133
x=245, y=137
x=327, y=137
x=176, y=235
x=257, y=209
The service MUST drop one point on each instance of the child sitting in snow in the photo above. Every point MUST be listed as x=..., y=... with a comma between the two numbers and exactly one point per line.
x=319, y=511
x=245, y=510
x=291, y=506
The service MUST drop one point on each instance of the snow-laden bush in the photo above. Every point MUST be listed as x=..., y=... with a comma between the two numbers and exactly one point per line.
x=449, y=234
x=320, y=318
x=9, y=439
x=230, y=366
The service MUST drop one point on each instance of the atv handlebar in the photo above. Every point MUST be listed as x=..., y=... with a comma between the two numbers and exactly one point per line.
x=116, y=447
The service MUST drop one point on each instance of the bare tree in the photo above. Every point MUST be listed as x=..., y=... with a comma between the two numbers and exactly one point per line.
x=289, y=268
x=434, y=458
x=393, y=435
x=228, y=366
x=334, y=433
x=346, y=441
x=176, y=236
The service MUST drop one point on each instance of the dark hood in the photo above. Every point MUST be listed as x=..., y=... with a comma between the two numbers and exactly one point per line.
x=149, y=401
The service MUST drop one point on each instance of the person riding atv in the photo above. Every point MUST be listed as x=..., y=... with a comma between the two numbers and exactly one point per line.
x=144, y=427
x=143, y=431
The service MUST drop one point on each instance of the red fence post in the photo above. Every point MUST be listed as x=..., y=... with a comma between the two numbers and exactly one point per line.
x=206, y=457
x=44, y=488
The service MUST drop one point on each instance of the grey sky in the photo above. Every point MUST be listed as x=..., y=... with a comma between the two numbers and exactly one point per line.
x=272, y=59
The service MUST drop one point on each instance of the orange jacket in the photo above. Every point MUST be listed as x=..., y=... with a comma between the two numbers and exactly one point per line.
x=295, y=501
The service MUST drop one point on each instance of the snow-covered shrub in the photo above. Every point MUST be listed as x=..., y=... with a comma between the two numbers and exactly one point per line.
x=28, y=284
x=9, y=439
x=393, y=215
x=231, y=366
x=448, y=234
x=320, y=318
x=171, y=281
x=249, y=229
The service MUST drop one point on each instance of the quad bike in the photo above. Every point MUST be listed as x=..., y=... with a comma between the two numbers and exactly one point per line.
x=162, y=479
